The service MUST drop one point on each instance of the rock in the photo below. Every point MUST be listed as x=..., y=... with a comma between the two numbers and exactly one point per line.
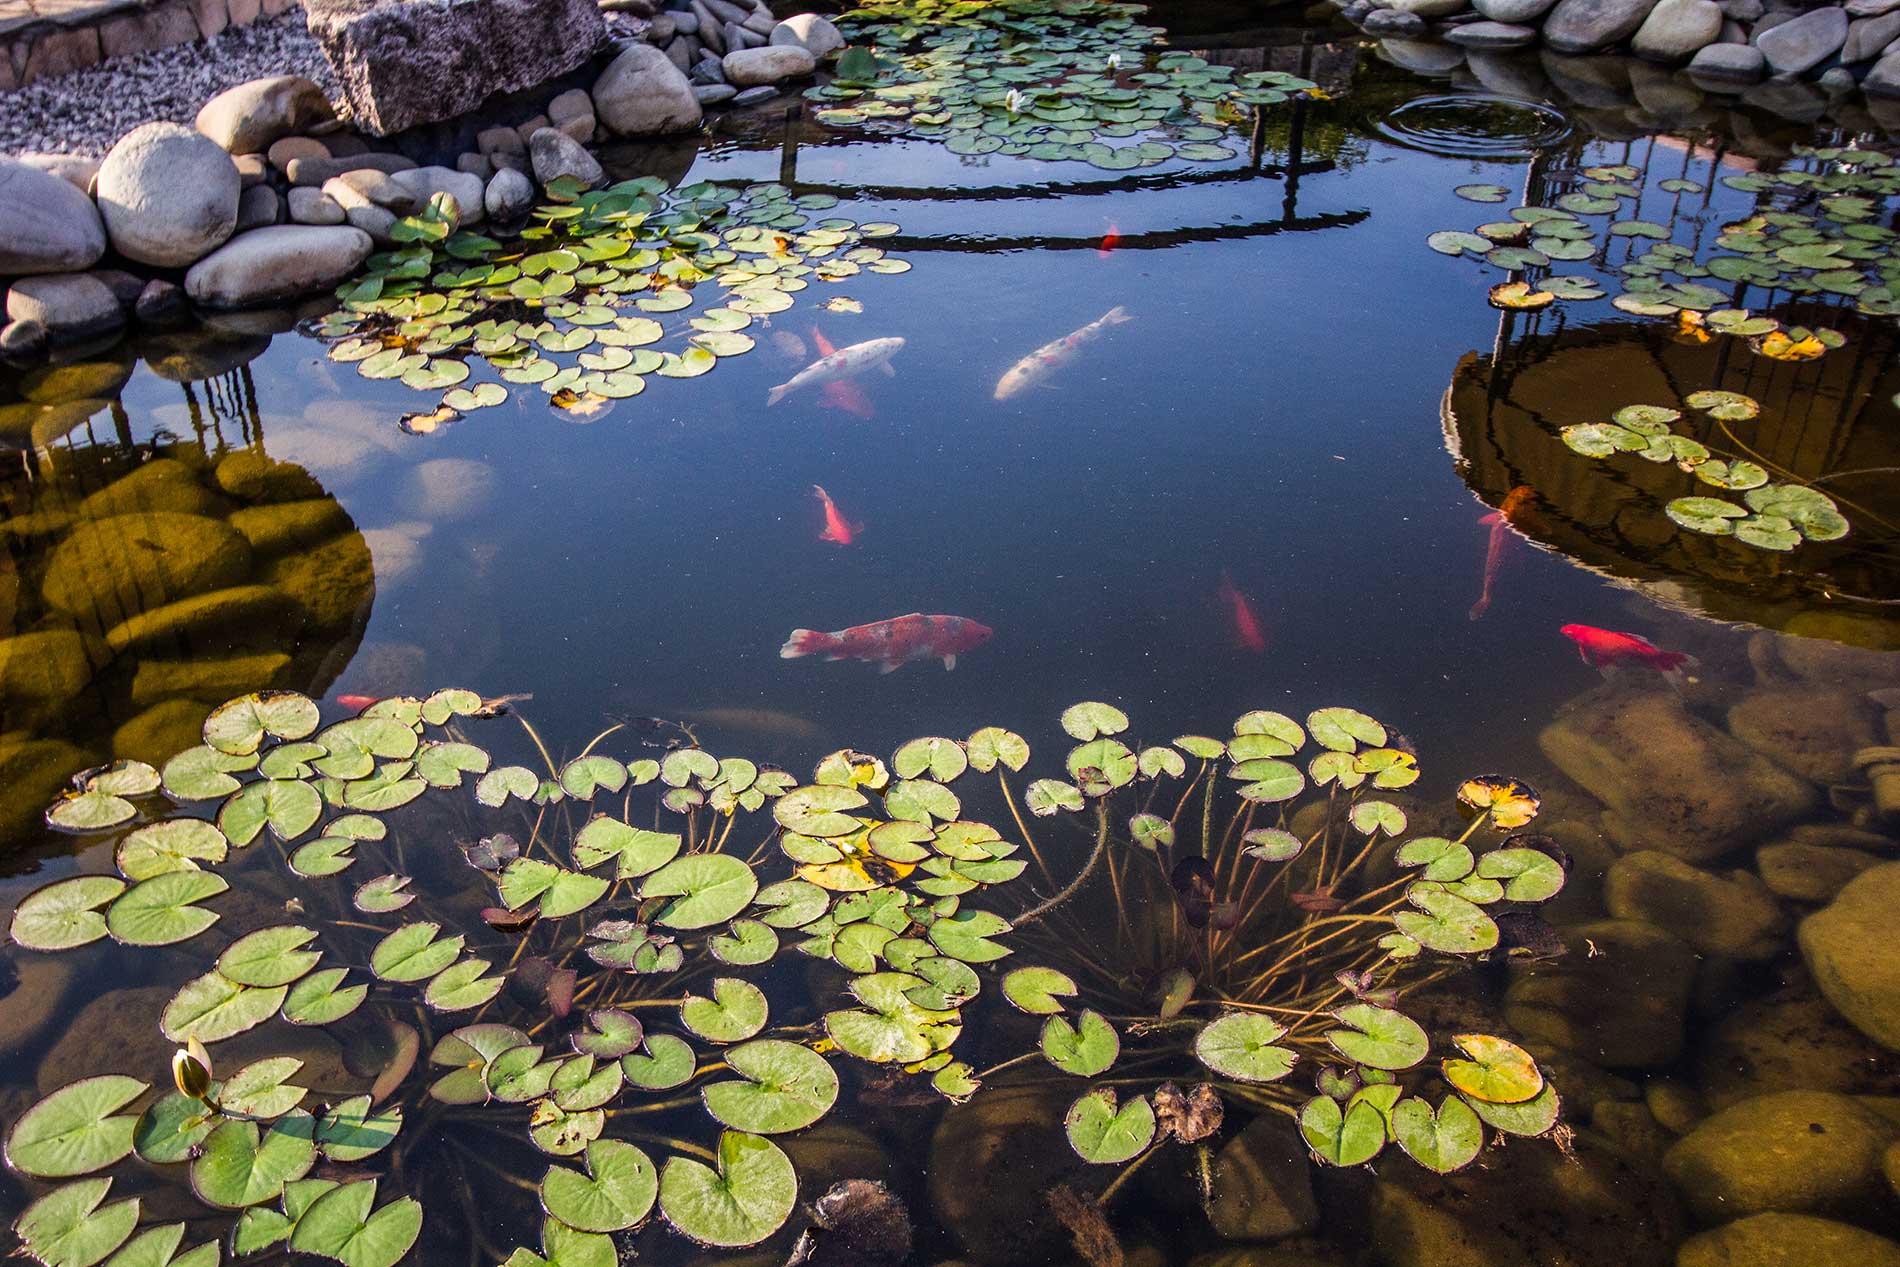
x=277, y=263
x=989, y=1172
x=160, y=303
x=426, y=182
x=1849, y=947
x=1492, y=35
x=208, y=677
x=713, y=94
x=378, y=222
x=283, y=526
x=248, y=118
x=643, y=93
x=1884, y=79
x=816, y=35
x=32, y=987
x=23, y=340
x=1618, y=998
x=253, y=169
x=1393, y=22
x=76, y=168
x=1799, y=45
x=33, y=771
x=476, y=165
x=400, y=64
x=67, y=306
x=1738, y=63
x=47, y=666
x=509, y=196
x=555, y=154
x=1799, y=1151
x=51, y=226
x=315, y=171
x=1791, y=1040
x=1516, y=12
x=1870, y=8
x=708, y=70
x=169, y=195
x=313, y=206
x=190, y=625
x=1675, y=1105
x=369, y=187
x=1742, y=10
x=1867, y=38
x=281, y=152
x=754, y=96
x=1810, y=873
x=772, y=64
x=1667, y=779
x=334, y=582
x=1676, y=30
x=108, y=569
x=446, y=489
x=160, y=484
x=570, y=105
x=1632, y=1129
x=161, y=731
x=1733, y=915
x=258, y=208
x=1580, y=26
x=1837, y=81
x=256, y=476
x=1263, y=1184
x=1787, y=1240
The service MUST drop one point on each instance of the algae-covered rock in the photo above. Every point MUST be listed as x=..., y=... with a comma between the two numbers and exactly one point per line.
x=48, y=665
x=1814, y=733
x=1801, y=1151
x=1791, y=1040
x=1617, y=999
x=1669, y=780
x=1810, y=873
x=161, y=731
x=243, y=615
x=32, y=987
x=1854, y=653
x=1732, y=914
x=1631, y=1129
x=161, y=484
x=1263, y=1183
x=1851, y=949
x=257, y=476
x=1788, y=1240
x=1676, y=1105
x=32, y=771
x=991, y=1163
x=110, y=569
x=334, y=581
x=281, y=526
x=218, y=677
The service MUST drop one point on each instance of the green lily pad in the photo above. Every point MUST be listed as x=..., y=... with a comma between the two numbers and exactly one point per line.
x=287, y=806
x=1442, y=1141
x=787, y=1087
x=1103, y=1133
x=240, y=726
x=706, y=889
x=1529, y=875
x=270, y=956
x=414, y=952
x=321, y=998
x=1349, y=1136
x=1446, y=923
x=341, y=1225
x=1497, y=1071
x=175, y=844
x=1710, y=516
x=241, y=1166
x=1343, y=729
x=1036, y=990
x=1379, y=1037
x=77, y=1129
x=68, y=1227
x=1085, y=1049
x=1091, y=720
x=967, y=936
x=617, y=1192
x=666, y=1063
x=66, y=913
x=736, y=1011
x=1530, y=1118
x=351, y=1130
x=747, y=1198
x=212, y=1008
x=558, y=892
x=160, y=911
x=462, y=985
x=992, y=745
x=1240, y=1045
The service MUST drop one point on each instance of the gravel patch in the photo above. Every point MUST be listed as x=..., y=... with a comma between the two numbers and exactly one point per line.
x=86, y=111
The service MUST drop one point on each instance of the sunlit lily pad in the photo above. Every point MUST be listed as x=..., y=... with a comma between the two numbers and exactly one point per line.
x=747, y=1198
x=1104, y=1132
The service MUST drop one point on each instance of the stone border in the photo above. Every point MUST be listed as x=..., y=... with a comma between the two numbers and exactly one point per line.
x=44, y=38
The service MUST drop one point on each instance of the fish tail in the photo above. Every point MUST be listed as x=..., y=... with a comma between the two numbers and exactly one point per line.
x=804, y=642
x=1115, y=316
x=818, y=491
x=777, y=394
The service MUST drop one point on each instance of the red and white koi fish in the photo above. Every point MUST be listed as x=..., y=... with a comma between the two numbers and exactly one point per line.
x=1052, y=356
x=1605, y=648
x=838, y=529
x=892, y=644
x=842, y=393
x=1501, y=520
x=1110, y=240
x=871, y=354
x=1247, y=630
x=357, y=702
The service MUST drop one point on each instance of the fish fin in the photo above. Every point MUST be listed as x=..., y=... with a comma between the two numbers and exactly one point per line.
x=777, y=394
x=804, y=642
x=820, y=342
x=1477, y=608
x=818, y=491
x=1583, y=654
x=949, y=662
x=890, y=666
x=1116, y=315
x=856, y=528
x=890, y=371
x=1494, y=517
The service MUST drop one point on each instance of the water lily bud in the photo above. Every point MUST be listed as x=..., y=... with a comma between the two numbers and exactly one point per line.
x=191, y=1070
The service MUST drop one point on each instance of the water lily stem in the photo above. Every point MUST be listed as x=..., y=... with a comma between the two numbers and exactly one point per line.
x=1008, y=799
x=993, y=1070
x=1101, y=847
x=1108, y=1193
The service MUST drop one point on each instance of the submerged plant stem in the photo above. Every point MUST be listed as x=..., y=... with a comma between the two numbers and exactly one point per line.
x=1101, y=847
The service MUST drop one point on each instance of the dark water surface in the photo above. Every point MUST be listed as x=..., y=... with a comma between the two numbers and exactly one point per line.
x=1307, y=400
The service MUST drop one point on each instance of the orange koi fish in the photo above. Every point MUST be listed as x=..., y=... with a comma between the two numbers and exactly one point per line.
x=841, y=393
x=891, y=644
x=1501, y=521
x=1110, y=240
x=357, y=702
x=838, y=529
x=1605, y=648
x=1247, y=628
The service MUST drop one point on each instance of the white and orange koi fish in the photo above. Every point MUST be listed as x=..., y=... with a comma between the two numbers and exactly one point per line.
x=845, y=362
x=1052, y=356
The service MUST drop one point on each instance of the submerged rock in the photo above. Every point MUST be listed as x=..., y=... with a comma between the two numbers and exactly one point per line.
x=1731, y=915
x=1263, y=1184
x=110, y=569
x=1618, y=998
x=334, y=582
x=273, y=529
x=47, y=666
x=32, y=770
x=162, y=731
x=208, y=677
x=1801, y=1151
x=1851, y=949
x=242, y=615
x=1669, y=780
x=32, y=988
x=161, y=484
x=1814, y=733
x=1791, y=1040
x=1788, y=1240
x=1810, y=873
x=991, y=1161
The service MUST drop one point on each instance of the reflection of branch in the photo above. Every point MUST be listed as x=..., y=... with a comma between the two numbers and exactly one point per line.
x=1101, y=847
x=1131, y=241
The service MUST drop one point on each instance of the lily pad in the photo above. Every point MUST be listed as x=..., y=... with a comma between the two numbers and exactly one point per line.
x=1378, y=1037
x=1103, y=1132
x=77, y=1129
x=1241, y=1045
x=66, y=913
x=787, y=1087
x=160, y=911
x=1085, y=1049
x=747, y=1198
x=736, y=1011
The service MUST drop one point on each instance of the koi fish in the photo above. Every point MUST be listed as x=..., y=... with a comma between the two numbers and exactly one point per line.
x=871, y=354
x=1110, y=240
x=841, y=393
x=892, y=643
x=838, y=529
x=1246, y=625
x=1605, y=648
x=357, y=702
x=1051, y=356
x=1501, y=521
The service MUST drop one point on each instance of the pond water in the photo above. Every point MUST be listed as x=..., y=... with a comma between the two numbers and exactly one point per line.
x=1274, y=485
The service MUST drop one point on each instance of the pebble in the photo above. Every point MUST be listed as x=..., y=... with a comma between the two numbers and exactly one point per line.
x=753, y=96
x=281, y=152
x=314, y=171
x=713, y=94
x=313, y=206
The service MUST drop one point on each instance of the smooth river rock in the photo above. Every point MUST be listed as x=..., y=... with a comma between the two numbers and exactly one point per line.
x=1791, y=1040
x=1491, y=35
x=770, y=65
x=51, y=226
x=1676, y=30
x=248, y=118
x=68, y=305
x=509, y=195
x=817, y=35
x=554, y=154
x=1516, y=12
x=1800, y=44
x=1801, y=1151
x=642, y=93
x=1788, y=1240
x=1850, y=947
x=1616, y=999
x=1733, y=914
x=275, y=263
x=1729, y=63
x=109, y=569
x=1581, y=26
x=169, y=195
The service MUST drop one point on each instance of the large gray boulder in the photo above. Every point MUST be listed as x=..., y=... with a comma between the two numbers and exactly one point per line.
x=401, y=64
x=642, y=93
x=169, y=195
x=748, y=67
x=248, y=118
x=1800, y=44
x=1580, y=26
x=51, y=226
x=68, y=305
x=554, y=154
x=816, y=34
x=280, y=262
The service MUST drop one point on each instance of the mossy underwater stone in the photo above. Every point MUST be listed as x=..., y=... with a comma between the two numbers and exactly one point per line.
x=282, y=526
x=1810, y=873
x=1788, y=1240
x=109, y=569
x=334, y=581
x=242, y=615
x=1617, y=999
x=47, y=666
x=991, y=1163
x=1794, y=1151
x=32, y=771
x=208, y=678
x=161, y=731
x=163, y=484
x=1791, y=1040
x=1814, y=733
x=1731, y=914
x=1851, y=949
x=1263, y=1183
x=258, y=477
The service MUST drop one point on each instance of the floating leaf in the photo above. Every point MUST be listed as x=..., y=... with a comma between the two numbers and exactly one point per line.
x=352, y=1130
x=287, y=806
x=1103, y=1134
x=666, y=1063
x=992, y=745
x=1378, y=1036
x=160, y=911
x=617, y=1192
x=706, y=889
x=414, y=952
x=736, y=1011
x=239, y=726
x=1441, y=1141
x=66, y=913
x=1036, y=990
x=745, y=1200
x=1446, y=923
x=1530, y=875
x=1090, y=720
x=1240, y=1045
x=241, y=1166
x=1045, y=796
x=321, y=998
x=176, y=844
x=787, y=1087
x=69, y=1228
x=1710, y=516
x=270, y=956
x=76, y=1129
x=340, y=1225
x=1085, y=1049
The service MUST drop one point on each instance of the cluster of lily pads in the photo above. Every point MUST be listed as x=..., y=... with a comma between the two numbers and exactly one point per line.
x=1771, y=516
x=574, y=305
x=1812, y=234
x=1047, y=79
x=540, y=1012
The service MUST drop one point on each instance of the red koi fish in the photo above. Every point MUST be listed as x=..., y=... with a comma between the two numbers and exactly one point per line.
x=1501, y=520
x=1247, y=628
x=1605, y=649
x=838, y=529
x=358, y=702
x=1110, y=240
x=892, y=644
x=841, y=393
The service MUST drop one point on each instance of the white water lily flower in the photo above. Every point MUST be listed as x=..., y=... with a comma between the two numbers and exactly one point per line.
x=1013, y=100
x=1114, y=61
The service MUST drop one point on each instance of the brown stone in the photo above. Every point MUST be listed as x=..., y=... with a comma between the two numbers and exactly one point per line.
x=400, y=65
x=60, y=53
x=144, y=30
x=211, y=16
x=243, y=12
x=281, y=152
